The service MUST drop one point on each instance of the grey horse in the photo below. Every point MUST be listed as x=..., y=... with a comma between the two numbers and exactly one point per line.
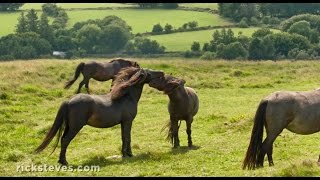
x=296, y=111
x=183, y=105
x=102, y=111
x=100, y=71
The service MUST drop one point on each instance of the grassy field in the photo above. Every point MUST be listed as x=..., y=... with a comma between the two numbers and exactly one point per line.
x=213, y=6
x=37, y=6
x=144, y=19
x=183, y=41
x=229, y=92
x=140, y=20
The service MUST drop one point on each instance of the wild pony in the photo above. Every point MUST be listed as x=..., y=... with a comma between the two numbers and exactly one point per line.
x=101, y=111
x=100, y=71
x=183, y=105
x=296, y=111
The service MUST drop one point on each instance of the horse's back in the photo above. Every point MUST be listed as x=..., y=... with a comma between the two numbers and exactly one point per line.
x=299, y=111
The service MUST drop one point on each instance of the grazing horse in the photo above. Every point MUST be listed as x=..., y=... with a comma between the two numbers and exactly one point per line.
x=101, y=111
x=100, y=71
x=296, y=111
x=183, y=105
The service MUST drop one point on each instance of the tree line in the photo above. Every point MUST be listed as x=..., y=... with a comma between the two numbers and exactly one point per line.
x=34, y=37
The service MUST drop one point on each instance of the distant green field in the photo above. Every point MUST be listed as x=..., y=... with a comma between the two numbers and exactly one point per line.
x=182, y=41
x=143, y=20
x=37, y=6
x=213, y=6
x=140, y=20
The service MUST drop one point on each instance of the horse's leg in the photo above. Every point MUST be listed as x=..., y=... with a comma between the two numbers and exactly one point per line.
x=267, y=145
x=68, y=135
x=189, y=122
x=175, y=132
x=86, y=81
x=126, y=138
x=80, y=86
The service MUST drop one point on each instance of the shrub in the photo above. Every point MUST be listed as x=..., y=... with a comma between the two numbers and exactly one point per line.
x=157, y=28
x=195, y=46
x=243, y=23
x=208, y=56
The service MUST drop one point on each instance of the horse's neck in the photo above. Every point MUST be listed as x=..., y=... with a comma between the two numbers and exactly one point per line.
x=135, y=92
x=178, y=95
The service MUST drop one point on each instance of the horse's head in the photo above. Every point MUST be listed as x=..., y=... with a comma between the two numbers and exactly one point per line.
x=167, y=83
x=132, y=76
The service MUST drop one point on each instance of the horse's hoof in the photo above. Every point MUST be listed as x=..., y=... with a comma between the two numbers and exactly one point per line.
x=63, y=162
x=271, y=164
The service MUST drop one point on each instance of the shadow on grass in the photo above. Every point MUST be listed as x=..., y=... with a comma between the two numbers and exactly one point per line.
x=183, y=149
x=116, y=159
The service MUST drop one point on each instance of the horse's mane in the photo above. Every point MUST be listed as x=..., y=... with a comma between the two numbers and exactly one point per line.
x=120, y=60
x=126, y=77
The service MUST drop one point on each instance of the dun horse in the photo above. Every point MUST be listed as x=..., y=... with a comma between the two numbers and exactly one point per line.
x=183, y=105
x=100, y=71
x=102, y=111
x=296, y=111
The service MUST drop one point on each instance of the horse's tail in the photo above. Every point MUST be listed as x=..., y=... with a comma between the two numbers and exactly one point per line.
x=76, y=75
x=170, y=131
x=255, y=145
x=57, y=125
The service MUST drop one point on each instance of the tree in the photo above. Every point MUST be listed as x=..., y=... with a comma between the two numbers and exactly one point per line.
x=262, y=32
x=10, y=6
x=300, y=27
x=147, y=46
x=22, y=24
x=193, y=24
x=195, y=46
x=168, y=28
x=157, y=28
x=89, y=37
x=170, y=5
x=51, y=9
x=45, y=30
x=32, y=21
x=231, y=51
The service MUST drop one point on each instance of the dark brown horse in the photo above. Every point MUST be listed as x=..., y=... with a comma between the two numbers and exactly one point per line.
x=100, y=71
x=102, y=111
x=183, y=105
x=296, y=111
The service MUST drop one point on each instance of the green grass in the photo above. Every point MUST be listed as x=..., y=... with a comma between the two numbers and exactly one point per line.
x=183, y=41
x=229, y=92
x=37, y=6
x=141, y=20
x=213, y=6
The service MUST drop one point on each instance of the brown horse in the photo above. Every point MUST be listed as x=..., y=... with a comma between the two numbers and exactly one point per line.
x=102, y=111
x=296, y=111
x=100, y=71
x=183, y=105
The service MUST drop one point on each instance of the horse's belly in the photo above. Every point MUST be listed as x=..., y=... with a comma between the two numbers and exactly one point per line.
x=304, y=126
x=103, y=122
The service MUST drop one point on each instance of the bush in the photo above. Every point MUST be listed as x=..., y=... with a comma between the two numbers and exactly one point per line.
x=157, y=28
x=243, y=23
x=208, y=56
x=168, y=28
x=195, y=46
x=302, y=55
x=254, y=21
x=193, y=24
x=51, y=9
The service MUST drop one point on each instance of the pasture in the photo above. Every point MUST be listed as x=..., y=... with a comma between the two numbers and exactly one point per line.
x=229, y=92
x=183, y=41
x=141, y=20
